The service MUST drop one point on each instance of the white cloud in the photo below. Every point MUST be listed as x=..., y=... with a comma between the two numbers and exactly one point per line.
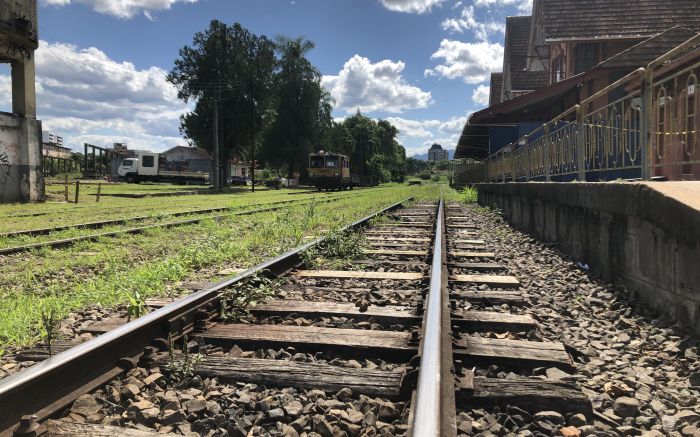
x=122, y=8
x=468, y=21
x=418, y=135
x=414, y=128
x=410, y=6
x=453, y=125
x=522, y=5
x=481, y=95
x=85, y=96
x=374, y=87
x=471, y=62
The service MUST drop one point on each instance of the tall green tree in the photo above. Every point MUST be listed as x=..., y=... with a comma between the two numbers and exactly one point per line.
x=231, y=67
x=302, y=109
x=375, y=154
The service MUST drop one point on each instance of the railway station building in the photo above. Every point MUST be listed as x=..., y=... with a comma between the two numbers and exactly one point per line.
x=592, y=90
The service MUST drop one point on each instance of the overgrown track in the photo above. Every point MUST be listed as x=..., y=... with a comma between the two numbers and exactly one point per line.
x=407, y=339
x=136, y=230
x=377, y=324
x=104, y=223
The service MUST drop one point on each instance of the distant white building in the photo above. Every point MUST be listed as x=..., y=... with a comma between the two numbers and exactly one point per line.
x=437, y=153
x=239, y=168
x=52, y=146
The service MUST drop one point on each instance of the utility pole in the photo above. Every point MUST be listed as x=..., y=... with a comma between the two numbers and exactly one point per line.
x=215, y=172
x=252, y=134
x=217, y=182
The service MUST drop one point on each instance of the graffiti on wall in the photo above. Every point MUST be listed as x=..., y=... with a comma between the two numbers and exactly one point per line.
x=5, y=163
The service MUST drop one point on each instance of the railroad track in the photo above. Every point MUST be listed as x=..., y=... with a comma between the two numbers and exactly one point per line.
x=389, y=344
x=103, y=223
x=203, y=213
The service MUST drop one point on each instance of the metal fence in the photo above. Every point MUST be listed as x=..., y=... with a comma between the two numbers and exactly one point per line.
x=641, y=126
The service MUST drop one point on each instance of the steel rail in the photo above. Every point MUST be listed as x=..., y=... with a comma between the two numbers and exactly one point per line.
x=427, y=412
x=48, y=387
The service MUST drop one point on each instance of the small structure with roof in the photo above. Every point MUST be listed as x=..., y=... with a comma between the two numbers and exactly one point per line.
x=437, y=153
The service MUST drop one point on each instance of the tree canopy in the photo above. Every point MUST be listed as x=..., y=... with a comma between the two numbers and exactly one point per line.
x=270, y=98
x=374, y=152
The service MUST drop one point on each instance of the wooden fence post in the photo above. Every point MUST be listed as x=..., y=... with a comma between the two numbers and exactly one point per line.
x=66, y=188
x=99, y=190
x=77, y=190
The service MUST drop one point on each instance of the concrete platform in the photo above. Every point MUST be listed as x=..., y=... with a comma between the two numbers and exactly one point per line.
x=644, y=235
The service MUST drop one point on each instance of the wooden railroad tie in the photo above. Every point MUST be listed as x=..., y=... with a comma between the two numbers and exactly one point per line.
x=473, y=320
x=64, y=427
x=355, y=342
x=303, y=308
x=501, y=281
x=300, y=375
x=473, y=254
x=412, y=239
x=481, y=267
x=399, y=244
x=515, y=353
x=355, y=274
x=531, y=394
x=397, y=252
x=461, y=226
x=490, y=297
x=392, y=232
x=403, y=224
x=476, y=242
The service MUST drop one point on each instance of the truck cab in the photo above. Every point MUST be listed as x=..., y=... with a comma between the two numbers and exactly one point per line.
x=144, y=166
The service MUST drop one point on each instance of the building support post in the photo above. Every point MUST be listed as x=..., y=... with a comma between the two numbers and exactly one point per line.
x=580, y=144
x=547, y=156
x=23, y=89
x=645, y=128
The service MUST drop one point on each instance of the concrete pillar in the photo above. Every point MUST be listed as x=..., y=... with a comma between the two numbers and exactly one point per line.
x=32, y=179
x=23, y=90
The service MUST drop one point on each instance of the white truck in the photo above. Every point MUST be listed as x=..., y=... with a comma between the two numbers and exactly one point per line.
x=153, y=167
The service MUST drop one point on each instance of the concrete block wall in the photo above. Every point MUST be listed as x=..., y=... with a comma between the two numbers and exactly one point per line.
x=644, y=236
x=21, y=178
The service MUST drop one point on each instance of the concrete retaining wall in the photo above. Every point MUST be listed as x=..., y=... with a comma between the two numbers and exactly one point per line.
x=644, y=236
x=21, y=177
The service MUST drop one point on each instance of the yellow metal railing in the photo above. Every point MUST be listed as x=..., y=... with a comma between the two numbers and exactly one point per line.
x=650, y=131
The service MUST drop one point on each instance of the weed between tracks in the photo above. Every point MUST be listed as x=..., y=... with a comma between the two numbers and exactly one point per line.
x=155, y=263
x=336, y=250
x=236, y=300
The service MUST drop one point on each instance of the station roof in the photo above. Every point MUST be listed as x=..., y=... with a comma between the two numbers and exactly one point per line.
x=566, y=20
x=515, y=56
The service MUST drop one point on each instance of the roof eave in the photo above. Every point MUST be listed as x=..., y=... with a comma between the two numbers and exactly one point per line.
x=598, y=38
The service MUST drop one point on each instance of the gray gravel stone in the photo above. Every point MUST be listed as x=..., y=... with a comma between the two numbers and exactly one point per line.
x=626, y=407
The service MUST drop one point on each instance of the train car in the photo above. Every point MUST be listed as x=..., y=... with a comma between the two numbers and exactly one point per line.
x=331, y=171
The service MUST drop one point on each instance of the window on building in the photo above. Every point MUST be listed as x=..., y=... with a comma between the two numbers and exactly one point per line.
x=558, y=68
x=147, y=161
x=585, y=57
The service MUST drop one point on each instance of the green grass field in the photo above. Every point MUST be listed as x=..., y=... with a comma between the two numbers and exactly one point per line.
x=109, y=271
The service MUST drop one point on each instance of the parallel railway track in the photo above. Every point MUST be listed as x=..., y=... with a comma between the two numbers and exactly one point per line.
x=205, y=214
x=394, y=343
x=103, y=223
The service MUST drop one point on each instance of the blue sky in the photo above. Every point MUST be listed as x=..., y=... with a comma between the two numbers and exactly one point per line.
x=422, y=64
